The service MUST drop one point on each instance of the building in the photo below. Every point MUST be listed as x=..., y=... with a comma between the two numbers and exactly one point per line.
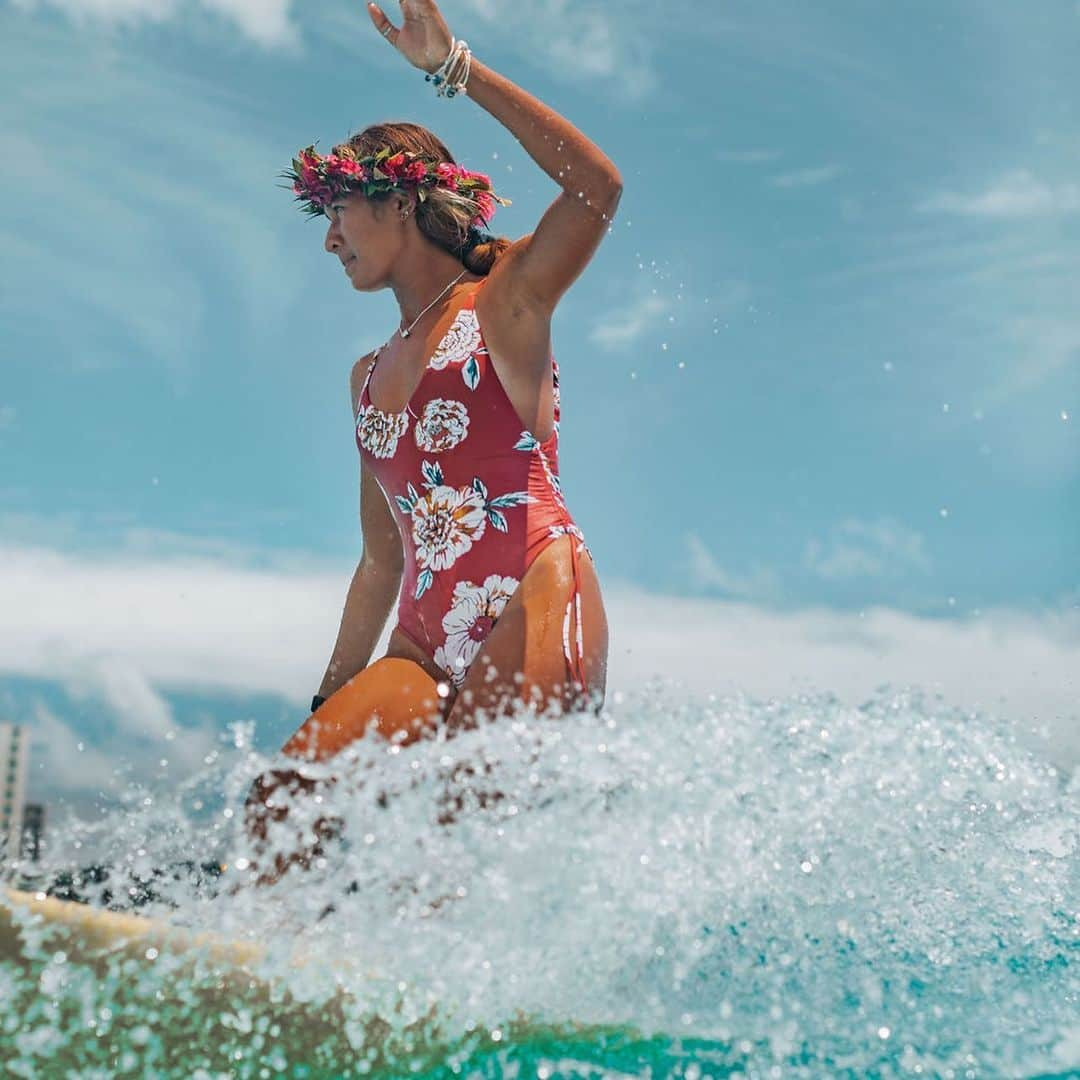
x=33, y=831
x=14, y=765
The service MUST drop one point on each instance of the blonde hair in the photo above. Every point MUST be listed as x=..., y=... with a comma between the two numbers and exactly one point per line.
x=444, y=217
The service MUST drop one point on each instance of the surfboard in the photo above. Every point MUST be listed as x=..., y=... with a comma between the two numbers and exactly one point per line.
x=209, y=978
x=91, y=934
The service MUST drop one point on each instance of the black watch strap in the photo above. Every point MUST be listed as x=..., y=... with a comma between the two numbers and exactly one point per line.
x=316, y=701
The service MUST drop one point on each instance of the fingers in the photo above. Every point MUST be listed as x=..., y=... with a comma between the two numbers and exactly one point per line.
x=382, y=23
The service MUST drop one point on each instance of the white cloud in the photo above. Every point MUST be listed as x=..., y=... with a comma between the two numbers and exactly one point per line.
x=62, y=755
x=623, y=327
x=141, y=710
x=867, y=549
x=196, y=623
x=179, y=622
x=266, y=22
x=1044, y=346
x=1022, y=667
x=144, y=288
x=707, y=574
x=578, y=41
x=1016, y=194
x=806, y=177
x=67, y=761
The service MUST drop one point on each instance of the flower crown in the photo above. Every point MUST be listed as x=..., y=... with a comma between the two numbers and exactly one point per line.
x=318, y=180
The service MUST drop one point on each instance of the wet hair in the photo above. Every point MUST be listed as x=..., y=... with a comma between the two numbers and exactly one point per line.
x=444, y=216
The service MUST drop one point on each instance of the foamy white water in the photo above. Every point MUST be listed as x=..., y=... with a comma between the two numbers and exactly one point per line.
x=794, y=888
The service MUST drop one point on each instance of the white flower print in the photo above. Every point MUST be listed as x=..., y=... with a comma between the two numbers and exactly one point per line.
x=444, y=424
x=460, y=342
x=566, y=530
x=447, y=521
x=378, y=432
x=469, y=621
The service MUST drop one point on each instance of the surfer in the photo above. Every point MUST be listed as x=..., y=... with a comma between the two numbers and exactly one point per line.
x=457, y=423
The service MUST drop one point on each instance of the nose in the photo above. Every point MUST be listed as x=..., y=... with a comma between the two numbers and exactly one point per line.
x=333, y=238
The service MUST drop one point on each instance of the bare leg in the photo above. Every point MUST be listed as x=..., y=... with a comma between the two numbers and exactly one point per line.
x=522, y=659
x=394, y=694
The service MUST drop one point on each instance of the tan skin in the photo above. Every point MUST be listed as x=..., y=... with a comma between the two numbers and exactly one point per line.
x=403, y=694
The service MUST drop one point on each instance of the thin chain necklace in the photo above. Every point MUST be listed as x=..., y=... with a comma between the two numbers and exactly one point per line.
x=406, y=332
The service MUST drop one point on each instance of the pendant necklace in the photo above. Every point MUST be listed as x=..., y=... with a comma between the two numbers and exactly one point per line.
x=406, y=332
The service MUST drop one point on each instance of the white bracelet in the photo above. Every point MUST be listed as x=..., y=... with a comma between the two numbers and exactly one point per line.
x=453, y=73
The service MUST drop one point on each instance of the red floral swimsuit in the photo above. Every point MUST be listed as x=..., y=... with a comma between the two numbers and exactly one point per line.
x=476, y=499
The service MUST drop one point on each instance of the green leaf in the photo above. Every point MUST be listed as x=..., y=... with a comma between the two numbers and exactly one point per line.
x=423, y=583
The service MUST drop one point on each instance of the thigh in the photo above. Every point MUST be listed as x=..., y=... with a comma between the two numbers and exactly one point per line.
x=523, y=657
x=394, y=693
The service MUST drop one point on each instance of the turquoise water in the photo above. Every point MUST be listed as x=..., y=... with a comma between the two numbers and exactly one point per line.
x=716, y=887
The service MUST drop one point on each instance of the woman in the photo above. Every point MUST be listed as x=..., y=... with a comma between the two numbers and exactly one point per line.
x=456, y=423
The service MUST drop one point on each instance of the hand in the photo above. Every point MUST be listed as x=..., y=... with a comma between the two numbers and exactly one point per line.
x=423, y=39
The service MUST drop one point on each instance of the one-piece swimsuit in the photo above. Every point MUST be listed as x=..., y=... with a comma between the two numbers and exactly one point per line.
x=476, y=499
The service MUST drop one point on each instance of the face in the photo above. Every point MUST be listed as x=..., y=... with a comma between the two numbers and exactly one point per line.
x=364, y=235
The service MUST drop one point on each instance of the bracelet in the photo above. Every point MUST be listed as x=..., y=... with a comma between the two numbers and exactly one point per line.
x=316, y=701
x=453, y=74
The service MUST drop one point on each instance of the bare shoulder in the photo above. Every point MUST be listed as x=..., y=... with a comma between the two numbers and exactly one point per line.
x=357, y=377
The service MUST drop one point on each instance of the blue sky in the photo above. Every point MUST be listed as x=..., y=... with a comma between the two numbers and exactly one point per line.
x=826, y=363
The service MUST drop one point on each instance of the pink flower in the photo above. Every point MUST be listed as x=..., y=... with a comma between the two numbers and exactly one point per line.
x=394, y=165
x=485, y=206
x=447, y=174
x=416, y=170
x=344, y=167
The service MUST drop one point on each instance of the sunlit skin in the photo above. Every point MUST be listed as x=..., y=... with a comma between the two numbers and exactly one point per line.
x=403, y=696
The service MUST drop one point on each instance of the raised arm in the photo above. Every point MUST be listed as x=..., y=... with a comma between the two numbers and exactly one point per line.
x=541, y=266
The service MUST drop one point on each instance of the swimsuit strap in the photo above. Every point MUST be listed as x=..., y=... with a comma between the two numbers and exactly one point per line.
x=367, y=377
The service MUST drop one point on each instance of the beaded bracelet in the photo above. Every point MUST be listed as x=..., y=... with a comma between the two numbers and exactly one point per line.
x=453, y=74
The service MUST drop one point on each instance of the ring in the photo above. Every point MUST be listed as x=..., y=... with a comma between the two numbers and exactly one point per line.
x=386, y=30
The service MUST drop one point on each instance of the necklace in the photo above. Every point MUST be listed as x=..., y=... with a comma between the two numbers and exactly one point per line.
x=406, y=332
